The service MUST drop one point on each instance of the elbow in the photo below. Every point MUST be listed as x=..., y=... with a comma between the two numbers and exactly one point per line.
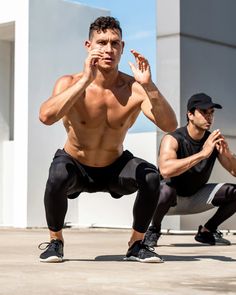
x=45, y=119
x=233, y=173
x=170, y=124
x=170, y=127
x=165, y=176
x=164, y=173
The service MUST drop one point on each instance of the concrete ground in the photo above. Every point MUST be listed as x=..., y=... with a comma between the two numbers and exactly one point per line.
x=94, y=265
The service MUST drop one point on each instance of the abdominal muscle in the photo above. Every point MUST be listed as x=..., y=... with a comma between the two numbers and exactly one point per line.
x=95, y=148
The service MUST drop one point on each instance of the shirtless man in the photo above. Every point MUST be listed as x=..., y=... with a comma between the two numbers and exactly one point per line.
x=97, y=107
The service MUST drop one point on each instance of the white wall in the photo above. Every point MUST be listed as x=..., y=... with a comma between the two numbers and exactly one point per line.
x=8, y=10
x=5, y=71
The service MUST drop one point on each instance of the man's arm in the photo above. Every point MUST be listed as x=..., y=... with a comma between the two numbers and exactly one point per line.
x=226, y=157
x=63, y=98
x=157, y=109
x=155, y=106
x=171, y=166
x=67, y=91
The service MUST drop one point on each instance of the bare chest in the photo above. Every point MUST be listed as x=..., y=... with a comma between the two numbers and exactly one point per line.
x=106, y=109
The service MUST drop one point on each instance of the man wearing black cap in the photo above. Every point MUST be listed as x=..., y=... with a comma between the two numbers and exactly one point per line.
x=186, y=160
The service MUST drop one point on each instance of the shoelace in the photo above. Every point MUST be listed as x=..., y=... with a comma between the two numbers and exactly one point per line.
x=53, y=244
x=218, y=233
x=146, y=247
x=45, y=244
x=150, y=249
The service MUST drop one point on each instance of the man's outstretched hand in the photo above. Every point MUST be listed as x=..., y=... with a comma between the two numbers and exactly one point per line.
x=141, y=70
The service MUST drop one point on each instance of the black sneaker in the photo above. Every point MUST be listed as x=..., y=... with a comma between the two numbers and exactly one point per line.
x=142, y=253
x=53, y=252
x=211, y=238
x=152, y=236
x=219, y=240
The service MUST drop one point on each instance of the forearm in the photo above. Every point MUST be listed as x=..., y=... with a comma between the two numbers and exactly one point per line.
x=57, y=106
x=174, y=167
x=229, y=163
x=162, y=111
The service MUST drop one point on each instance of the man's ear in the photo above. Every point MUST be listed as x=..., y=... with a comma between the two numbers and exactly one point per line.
x=190, y=115
x=87, y=44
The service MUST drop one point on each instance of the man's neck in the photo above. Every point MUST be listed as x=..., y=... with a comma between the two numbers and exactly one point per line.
x=195, y=132
x=106, y=79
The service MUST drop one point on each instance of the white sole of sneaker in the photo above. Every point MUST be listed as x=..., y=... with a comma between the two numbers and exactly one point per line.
x=147, y=260
x=52, y=259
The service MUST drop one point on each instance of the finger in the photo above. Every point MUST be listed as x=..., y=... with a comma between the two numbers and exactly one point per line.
x=218, y=147
x=135, y=53
x=132, y=66
x=216, y=132
x=145, y=66
x=218, y=141
x=138, y=56
x=94, y=62
x=216, y=135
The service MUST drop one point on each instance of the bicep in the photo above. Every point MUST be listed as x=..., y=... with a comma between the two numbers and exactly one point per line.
x=168, y=149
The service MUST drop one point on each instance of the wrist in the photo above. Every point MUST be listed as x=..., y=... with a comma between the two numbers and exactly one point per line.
x=149, y=86
x=85, y=81
x=203, y=155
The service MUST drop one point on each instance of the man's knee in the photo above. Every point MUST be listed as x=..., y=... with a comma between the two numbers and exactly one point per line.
x=153, y=181
x=230, y=191
x=167, y=195
x=59, y=177
x=148, y=177
x=227, y=193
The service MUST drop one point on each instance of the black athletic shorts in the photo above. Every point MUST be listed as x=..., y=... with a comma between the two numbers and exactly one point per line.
x=118, y=178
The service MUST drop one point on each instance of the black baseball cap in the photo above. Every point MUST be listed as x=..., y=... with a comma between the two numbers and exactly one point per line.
x=201, y=101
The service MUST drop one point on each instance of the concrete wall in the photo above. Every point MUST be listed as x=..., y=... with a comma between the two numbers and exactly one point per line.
x=197, y=52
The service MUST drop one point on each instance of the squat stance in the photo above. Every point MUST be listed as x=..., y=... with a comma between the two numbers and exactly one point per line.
x=97, y=107
x=186, y=160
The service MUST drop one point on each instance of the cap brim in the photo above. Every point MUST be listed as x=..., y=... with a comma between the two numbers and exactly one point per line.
x=208, y=106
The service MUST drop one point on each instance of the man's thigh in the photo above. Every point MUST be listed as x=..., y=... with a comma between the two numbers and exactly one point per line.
x=200, y=202
x=132, y=175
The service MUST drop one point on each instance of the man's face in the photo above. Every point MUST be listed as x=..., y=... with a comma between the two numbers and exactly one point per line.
x=110, y=43
x=202, y=119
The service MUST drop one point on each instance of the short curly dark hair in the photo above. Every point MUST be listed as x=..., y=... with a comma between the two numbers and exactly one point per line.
x=104, y=23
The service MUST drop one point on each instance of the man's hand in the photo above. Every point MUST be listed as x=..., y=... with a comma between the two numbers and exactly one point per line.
x=223, y=148
x=214, y=140
x=141, y=70
x=91, y=64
